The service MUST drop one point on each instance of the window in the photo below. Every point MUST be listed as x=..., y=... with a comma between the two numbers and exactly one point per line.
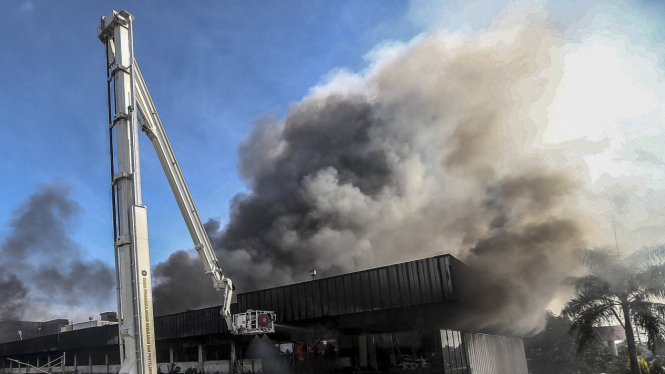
x=455, y=359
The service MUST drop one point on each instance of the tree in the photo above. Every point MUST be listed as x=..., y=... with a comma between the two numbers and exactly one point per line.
x=621, y=363
x=623, y=290
x=553, y=351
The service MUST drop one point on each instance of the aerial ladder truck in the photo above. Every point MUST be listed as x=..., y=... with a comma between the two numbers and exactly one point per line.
x=131, y=108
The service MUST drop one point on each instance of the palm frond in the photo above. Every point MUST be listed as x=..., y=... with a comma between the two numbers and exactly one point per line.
x=586, y=319
x=599, y=259
x=650, y=318
x=589, y=284
x=652, y=255
x=651, y=280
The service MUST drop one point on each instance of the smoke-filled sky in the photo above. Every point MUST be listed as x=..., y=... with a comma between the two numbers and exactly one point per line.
x=44, y=272
x=509, y=135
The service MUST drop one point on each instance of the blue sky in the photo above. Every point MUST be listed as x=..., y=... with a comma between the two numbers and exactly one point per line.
x=213, y=68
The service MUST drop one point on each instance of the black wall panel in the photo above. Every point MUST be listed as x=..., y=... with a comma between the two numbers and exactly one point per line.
x=418, y=282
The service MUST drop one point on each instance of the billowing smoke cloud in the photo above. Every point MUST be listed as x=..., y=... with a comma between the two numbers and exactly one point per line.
x=13, y=294
x=45, y=271
x=433, y=150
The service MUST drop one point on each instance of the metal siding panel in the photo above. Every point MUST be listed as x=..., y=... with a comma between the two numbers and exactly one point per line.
x=357, y=286
x=268, y=304
x=261, y=300
x=332, y=297
x=489, y=354
x=309, y=300
x=395, y=287
x=195, y=322
x=318, y=299
x=349, y=296
x=384, y=289
x=288, y=308
x=274, y=301
x=350, y=284
x=241, y=302
x=436, y=281
x=444, y=269
x=256, y=300
x=414, y=283
x=178, y=325
x=340, y=292
x=425, y=282
x=303, y=301
x=368, y=288
x=405, y=291
x=282, y=304
x=295, y=301
x=449, y=279
x=325, y=298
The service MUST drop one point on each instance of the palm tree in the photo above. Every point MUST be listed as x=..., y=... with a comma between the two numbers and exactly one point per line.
x=620, y=289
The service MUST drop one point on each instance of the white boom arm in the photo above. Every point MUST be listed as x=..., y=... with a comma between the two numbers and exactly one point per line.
x=134, y=106
x=153, y=128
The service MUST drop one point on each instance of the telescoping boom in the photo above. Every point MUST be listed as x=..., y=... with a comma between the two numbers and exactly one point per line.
x=134, y=109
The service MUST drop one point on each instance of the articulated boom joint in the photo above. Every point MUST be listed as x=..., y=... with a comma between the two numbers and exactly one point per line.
x=108, y=24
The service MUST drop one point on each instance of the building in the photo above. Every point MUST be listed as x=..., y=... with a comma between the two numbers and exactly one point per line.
x=386, y=319
x=610, y=335
x=11, y=330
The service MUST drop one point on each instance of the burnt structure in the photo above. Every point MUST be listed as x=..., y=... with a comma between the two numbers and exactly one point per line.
x=385, y=319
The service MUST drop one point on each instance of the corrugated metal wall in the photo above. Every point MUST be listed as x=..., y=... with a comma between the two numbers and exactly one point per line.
x=93, y=337
x=191, y=323
x=418, y=282
x=412, y=283
x=490, y=354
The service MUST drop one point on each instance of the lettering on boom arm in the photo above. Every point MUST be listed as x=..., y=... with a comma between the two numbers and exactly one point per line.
x=148, y=337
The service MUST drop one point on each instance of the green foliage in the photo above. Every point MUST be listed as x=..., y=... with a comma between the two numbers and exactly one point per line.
x=621, y=363
x=620, y=290
x=553, y=351
x=644, y=365
x=657, y=366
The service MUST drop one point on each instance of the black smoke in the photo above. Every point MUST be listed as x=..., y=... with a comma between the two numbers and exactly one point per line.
x=44, y=271
x=432, y=151
x=13, y=295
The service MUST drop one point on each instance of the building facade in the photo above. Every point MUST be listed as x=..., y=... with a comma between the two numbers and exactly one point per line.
x=381, y=320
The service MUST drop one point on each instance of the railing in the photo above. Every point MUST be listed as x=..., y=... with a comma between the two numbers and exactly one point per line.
x=58, y=361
